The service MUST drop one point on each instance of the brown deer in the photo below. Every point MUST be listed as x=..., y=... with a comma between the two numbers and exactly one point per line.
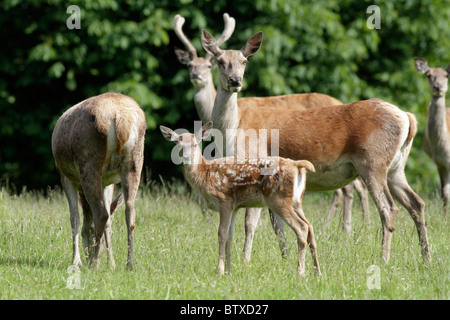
x=96, y=144
x=436, y=140
x=371, y=139
x=200, y=71
x=227, y=185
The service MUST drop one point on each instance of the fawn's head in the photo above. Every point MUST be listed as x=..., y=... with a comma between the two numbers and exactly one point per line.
x=437, y=77
x=189, y=143
x=231, y=62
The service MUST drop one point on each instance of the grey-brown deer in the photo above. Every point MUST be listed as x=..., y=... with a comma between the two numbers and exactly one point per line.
x=200, y=71
x=371, y=139
x=436, y=140
x=97, y=143
x=227, y=185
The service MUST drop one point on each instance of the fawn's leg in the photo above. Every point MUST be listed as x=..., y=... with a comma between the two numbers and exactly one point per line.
x=251, y=221
x=229, y=242
x=311, y=239
x=224, y=225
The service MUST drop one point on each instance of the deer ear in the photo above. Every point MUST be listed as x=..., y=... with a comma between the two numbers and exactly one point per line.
x=210, y=44
x=252, y=45
x=206, y=130
x=169, y=134
x=421, y=65
x=448, y=70
x=183, y=56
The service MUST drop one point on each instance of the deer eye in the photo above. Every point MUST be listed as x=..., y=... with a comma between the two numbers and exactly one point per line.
x=244, y=62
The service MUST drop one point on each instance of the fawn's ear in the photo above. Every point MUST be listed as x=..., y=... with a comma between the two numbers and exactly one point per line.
x=252, y=45
x=206, y=130
x=210, y=44
x=169, y=134
x=421, y=65
x=448, y=70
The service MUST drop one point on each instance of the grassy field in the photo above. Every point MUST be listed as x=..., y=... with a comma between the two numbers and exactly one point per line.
x=176, y=254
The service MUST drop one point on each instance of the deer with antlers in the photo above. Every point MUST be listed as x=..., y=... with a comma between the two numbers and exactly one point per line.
x=205, y=93
x=371, y=139
x=97, y=143
x=227, y=184
x=436, y=140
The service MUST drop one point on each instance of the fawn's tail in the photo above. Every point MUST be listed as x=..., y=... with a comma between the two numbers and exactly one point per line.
x=305, y=164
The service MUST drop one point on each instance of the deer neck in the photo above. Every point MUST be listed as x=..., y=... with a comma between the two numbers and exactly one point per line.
x=204, y=100
x=436, y=123
x=226, y=117
x=195, y=172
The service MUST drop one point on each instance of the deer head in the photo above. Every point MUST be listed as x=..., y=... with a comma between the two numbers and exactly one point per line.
x=231, y=62
x=199, y=68
x=188, y=143
x=437, y=77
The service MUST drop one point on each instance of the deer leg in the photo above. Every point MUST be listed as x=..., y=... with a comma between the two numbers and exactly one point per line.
x=130, y=183
x=229, y=242
x=223, y=232
x=72, y=198
x=401, y=190
x=386, y=208
x=87, y=231
x=278, y=227
x=361, y=189
x=311, y=239
x=348, y=202
x=251, y=221
x=301, y=231
x=93, y=191
x=337, y=198
x=444, y=175
x=107, y=198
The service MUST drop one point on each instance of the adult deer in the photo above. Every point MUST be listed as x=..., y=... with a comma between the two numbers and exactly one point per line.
x=200, y=71
x=200, y=68
x=96, y=144
x=227, y=185
x=370, y=138
x=436, y=140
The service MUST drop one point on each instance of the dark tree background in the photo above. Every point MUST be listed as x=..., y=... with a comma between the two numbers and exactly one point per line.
x=127, y=46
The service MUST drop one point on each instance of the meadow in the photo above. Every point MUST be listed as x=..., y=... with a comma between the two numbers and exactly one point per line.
x=176, y=253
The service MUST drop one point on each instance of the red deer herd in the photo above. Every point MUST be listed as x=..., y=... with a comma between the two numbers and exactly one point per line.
x=362, y=145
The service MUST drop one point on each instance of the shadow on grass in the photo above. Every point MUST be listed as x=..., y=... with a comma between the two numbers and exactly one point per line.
x=34, y=262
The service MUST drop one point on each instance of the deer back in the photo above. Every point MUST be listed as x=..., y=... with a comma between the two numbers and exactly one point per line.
x=91, y=132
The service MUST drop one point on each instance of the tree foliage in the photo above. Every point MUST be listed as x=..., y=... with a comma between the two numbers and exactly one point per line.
x=127, y=46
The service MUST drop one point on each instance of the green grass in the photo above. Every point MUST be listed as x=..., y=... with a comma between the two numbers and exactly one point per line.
x=176, y=253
